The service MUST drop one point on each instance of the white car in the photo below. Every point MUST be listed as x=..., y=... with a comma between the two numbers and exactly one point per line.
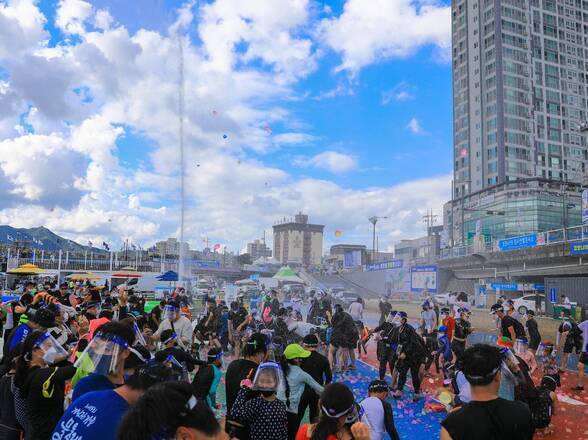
x=527, y=302
x=443, y=298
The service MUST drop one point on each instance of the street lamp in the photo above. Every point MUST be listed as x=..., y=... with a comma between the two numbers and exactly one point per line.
x=373, y=220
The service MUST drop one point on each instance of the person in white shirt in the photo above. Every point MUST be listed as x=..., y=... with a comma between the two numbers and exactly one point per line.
x=180, y=325
x=377, y=412
x=567, y=306
x=356, y=310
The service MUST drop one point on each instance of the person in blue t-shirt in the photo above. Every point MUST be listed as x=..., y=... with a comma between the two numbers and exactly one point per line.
x=97, y=414
x=104, y=358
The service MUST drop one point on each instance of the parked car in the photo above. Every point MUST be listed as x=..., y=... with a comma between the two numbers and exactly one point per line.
x=527, y=302
x=443, y=299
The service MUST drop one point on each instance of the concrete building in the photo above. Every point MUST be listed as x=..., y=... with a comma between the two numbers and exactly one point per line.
x=297, y=241
x=171, y=246
x=420, y=250
x=258, y=249
x=519, y=97
x=356, y=254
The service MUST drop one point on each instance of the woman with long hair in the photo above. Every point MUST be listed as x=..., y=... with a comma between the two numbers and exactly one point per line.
x=169, y=410
x=296, y=380
x=339, y=419
x=41, y=373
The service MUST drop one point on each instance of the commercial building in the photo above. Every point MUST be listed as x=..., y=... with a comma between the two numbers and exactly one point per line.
x=171, y=246
x=258, y=249
x=348, y=255
x=519, y=99
x=297, y=241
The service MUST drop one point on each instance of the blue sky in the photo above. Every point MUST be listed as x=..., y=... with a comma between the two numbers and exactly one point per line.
x=357, y=96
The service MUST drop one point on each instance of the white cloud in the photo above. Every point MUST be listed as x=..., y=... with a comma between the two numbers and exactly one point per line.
x=71, y=15
x=72, y=173
x=372, y=31
x=331, y=161
x=414, y=126
x=402, y=91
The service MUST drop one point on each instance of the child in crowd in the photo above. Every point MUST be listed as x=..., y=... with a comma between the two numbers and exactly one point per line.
x=549, y=365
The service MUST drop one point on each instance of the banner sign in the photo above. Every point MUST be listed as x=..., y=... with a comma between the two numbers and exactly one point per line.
x=423, y=277
x=553, y=295
x=351, y=259
x=383, y=265
x=579, y=248
x=585, y=207
x=522, y=242
x=512, y=287
x=206, y=264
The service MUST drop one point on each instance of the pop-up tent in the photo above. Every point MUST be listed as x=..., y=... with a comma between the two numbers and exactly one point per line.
x=287, y=275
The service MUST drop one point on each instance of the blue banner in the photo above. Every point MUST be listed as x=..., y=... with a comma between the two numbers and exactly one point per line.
x=206, y=264
x=579, y=248
x=512, y=287
x=553, y=295
x=254, y=277
x=383, y=265
x=539, y=287
x=522, y=242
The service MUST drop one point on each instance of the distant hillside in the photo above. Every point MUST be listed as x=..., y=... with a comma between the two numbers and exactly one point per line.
x=41, y=238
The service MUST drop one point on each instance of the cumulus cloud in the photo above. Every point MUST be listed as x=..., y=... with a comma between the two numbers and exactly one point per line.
x=74, y=163
x=414, y=126
x=331, y=161
x=372, y=31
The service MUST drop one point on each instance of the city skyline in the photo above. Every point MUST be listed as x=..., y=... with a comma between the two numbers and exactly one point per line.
x=318, y=121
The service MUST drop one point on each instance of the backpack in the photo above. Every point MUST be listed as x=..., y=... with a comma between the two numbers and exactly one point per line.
x=542, y=408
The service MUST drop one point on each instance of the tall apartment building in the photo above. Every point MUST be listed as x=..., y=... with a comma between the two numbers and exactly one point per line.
x=519, y=97
x=297, y=241
x=257, y=248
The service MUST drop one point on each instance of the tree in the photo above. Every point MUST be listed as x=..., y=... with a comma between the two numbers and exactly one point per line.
x=244, y=259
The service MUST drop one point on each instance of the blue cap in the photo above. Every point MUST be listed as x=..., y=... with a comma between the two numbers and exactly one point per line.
x=402, y=314
x=442, y=329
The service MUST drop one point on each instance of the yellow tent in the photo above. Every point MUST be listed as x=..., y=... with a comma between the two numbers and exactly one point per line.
x=26, y=269
x=82, y=276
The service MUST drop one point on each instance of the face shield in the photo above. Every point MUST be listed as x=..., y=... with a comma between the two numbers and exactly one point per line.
x=508, y=356
x=170, y=312
x=52, y=350
x=521, y=346
x=352, y=414
x=139, y=338
x=179, y=368
x=102, y=354
x=269, y=377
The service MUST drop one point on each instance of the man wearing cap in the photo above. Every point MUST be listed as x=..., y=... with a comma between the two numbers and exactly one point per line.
x=377, y=412
x=509, y=327
x=463, y=328
x=319, y=369
x=40, y=319
x=411, y=355
x=180, y=325
x=208, y=377
x=97, y=414
x=169, y=340
x=387, y=345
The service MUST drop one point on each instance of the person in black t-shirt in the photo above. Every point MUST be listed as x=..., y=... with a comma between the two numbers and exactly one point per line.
x=319, y=369
x=254, y=353
x=533, y=331
x=487, y=417
x=463, y=328
x=509, y=327
x=169, y=340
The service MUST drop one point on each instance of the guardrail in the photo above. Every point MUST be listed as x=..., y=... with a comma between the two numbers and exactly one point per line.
x=567, y=235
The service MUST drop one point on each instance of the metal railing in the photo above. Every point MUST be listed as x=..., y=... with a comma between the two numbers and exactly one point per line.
x=571, y=234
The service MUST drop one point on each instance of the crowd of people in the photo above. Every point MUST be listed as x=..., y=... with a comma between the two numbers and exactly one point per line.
x=82, y=362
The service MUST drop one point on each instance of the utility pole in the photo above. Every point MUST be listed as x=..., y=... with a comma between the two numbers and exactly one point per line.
x=429, y=219
x=373, y=220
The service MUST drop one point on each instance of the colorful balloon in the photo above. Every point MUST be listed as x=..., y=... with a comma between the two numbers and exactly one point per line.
x=225, y=136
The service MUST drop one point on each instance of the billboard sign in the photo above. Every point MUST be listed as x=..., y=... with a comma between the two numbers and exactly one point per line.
x=522, y=242
x=423, y=277
x=397, y=280
x=383, y=265
x=351, y=259
x=553, y=295
x=512, y=287
x=579, y=248
x=585, y=207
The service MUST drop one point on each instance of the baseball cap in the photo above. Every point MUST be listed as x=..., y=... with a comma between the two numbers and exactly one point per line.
x=443, y=329
x=378, y=386
x=295, y=351
x=310, y=340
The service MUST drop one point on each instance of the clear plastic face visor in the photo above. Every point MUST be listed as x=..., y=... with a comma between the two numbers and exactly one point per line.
x=521, y=346
x=509, y=356
x=139, y=338
x=393, y=318
x=269, y=377
x=52, y=350
x=170, y=312
x=353, y=414
x=102, y=354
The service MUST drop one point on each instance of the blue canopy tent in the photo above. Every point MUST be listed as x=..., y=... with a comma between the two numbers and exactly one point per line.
x=170, y=276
